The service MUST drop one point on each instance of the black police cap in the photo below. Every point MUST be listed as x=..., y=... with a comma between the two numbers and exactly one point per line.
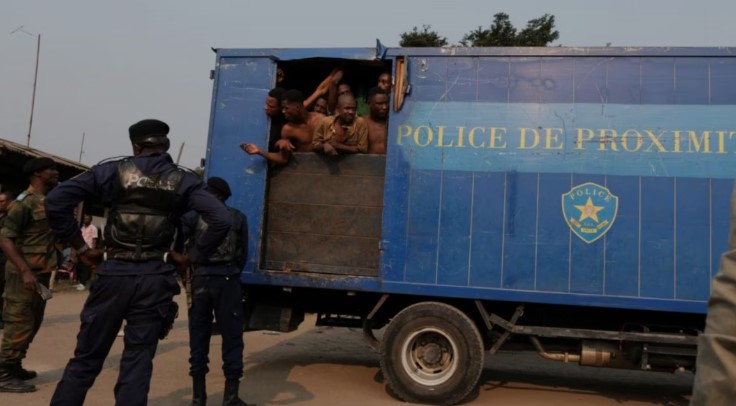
x=38, y=164
x=219, y=185
x=148, y=128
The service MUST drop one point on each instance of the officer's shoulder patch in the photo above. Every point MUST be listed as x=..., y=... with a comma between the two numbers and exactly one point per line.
x=22, y=196
x=185, y=169
x=114, y=159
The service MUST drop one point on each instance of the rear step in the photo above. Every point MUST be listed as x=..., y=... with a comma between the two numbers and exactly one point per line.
x=339, y=320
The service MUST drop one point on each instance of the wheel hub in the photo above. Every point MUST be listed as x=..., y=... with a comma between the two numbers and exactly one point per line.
x=431, y=354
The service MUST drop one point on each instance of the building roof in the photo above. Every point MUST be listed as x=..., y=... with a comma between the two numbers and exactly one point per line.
x=14, y=147
x=12, y=158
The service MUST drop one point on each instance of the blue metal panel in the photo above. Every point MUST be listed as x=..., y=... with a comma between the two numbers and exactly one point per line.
x=454, y=228
x=623, y=81
x=622, y=241
x=590, y=80
x=554, y=236
x=525, y=80
x=423, y=226
x=241, y=85
x=560, y=51
x=720, y=198
x=657, y=81
x=690, y=77
x=692, y=239
x=428, y=78
x=520, y=231
x=462, y=79
x=657, y=237
x=493, y=80
x=587, y=259
x=489, y=198
x=607, y=139
x=394, y=219
x=556, y=80
x=281, y=54
x=723, y=81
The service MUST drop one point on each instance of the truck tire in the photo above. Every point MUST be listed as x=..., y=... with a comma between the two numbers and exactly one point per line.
x=431, y=353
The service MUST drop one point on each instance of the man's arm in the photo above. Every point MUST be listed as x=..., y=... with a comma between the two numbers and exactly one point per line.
x=15, y=221
x=332, y=90
x=242, y=241
x=188, y=225
x=319, y=135
x=284, y=145
x=323, y=88
x=280, y=158
x=361, y=133
x=62, y=200
x=217, y=217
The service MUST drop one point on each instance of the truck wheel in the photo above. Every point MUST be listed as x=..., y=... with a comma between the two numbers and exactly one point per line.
x=431, y=353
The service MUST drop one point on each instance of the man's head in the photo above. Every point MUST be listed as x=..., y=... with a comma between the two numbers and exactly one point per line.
x=219, y=187
x=378, y=103
x=384, y=82
x=87, y=220
x=320, y=106
x=280, y=76
x=149, y=135
x=5, y=199
x=346, y=108
x=273, y=102
x=292, y=105
x=344, y=88
x=42, y=171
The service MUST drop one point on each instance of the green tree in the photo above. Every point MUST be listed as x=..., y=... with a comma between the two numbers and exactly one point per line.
x=539, y=32
x=424, y=38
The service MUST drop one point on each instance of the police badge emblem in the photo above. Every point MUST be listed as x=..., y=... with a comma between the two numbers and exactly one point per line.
x=590, y=210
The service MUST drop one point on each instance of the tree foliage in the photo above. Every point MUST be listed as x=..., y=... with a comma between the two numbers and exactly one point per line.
x=539, y=32
x=501, y=34
x=424, y=38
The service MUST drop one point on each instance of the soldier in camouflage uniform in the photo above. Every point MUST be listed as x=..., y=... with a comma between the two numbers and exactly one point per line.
x=32, y=252
x=5, y=199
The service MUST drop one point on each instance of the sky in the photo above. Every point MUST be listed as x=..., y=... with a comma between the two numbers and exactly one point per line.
x=107, y=64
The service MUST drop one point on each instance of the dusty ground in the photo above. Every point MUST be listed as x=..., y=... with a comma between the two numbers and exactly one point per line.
x=330, y=367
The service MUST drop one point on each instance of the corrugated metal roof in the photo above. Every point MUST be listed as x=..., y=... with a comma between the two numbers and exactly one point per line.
x=32, y=152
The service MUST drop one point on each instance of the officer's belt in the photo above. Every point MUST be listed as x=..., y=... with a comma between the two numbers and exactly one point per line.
x=133, y=256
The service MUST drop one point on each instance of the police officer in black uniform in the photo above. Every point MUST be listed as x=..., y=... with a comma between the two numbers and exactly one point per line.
x=216, y=288
x=147, y=195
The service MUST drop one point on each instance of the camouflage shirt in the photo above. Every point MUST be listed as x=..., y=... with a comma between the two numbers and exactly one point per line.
x=26, y=224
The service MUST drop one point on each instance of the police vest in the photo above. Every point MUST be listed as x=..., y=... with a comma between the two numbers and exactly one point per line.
x=229, y=249
x=141, y=226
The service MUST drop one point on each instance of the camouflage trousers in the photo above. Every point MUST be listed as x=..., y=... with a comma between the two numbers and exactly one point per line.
x=22, y=315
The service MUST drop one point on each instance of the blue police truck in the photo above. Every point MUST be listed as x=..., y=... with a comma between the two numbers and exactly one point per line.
x=568, y=201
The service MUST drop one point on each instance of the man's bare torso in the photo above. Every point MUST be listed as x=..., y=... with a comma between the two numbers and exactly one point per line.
x=300, y=134
x=377, y=134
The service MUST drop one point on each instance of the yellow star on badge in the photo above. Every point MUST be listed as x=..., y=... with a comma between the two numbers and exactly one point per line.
x=589, y=210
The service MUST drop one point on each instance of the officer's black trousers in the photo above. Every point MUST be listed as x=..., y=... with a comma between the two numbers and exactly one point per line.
x=142, y=301
x=221, y=295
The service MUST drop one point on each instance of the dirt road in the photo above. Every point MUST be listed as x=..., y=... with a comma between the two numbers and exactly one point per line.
x=330, y=367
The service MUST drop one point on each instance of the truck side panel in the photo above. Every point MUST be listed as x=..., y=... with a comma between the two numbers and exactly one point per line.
x=240, y=89
x=489, y=145
x=494, y=144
